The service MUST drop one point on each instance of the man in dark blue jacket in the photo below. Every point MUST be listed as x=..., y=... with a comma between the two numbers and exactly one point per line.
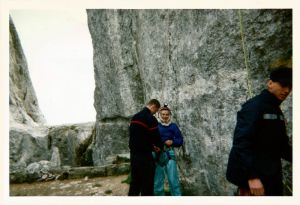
x=260, y=140
x=144, y=138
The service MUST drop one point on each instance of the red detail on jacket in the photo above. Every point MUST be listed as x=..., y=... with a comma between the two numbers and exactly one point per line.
x=143, y=124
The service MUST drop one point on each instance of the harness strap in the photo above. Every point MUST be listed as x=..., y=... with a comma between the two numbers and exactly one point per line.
x=168, y=154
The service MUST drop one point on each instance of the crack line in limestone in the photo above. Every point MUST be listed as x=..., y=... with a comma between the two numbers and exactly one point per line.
x=137, y=42
x=136, y=57
x=171, y=66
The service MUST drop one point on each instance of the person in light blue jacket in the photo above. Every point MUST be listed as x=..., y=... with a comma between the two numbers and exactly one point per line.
x=166, y=161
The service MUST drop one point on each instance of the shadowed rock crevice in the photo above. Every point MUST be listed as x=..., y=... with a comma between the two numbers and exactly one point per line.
x=83, y=153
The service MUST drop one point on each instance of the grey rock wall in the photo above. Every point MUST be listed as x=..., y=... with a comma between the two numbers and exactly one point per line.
x=26, y=145
x=59, y=146
x=194, y=61
x=111, y=139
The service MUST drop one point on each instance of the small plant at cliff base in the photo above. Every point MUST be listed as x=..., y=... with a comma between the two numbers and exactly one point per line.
x=287, y=188
x=98, y=185
x=108, y=191
x=128, y=179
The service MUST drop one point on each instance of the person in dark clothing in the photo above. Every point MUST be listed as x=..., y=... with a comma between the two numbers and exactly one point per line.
x=144, y=138
x=260, y=140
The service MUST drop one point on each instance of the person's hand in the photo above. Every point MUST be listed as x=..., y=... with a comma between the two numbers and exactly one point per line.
x=156, y=149
x=169, y=142
x=256, y=187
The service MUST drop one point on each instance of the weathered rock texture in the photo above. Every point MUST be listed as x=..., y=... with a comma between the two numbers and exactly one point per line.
x=23, y=104
x=57, y=147
x=71, y=143
x=28, y=136
x=194, y=61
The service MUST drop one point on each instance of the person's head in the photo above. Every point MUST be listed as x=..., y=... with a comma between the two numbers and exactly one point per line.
x=280, y=82
x=153, y=105
x=165, y=114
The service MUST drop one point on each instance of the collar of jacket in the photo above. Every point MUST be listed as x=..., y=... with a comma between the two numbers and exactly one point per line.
x=147, y=110
x=165, y=124
x=270, y=97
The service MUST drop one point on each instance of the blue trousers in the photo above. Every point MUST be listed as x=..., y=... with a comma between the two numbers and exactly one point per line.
x=170, y=169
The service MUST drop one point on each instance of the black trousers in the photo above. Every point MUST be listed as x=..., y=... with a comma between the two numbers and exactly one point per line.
x=142, y=175
x=273, y=185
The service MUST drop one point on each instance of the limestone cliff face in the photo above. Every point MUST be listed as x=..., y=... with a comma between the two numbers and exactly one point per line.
x=194, y=61
x=23, y=104
x=28, y=141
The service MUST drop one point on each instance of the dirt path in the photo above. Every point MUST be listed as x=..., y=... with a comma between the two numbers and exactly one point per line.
x=100, y=186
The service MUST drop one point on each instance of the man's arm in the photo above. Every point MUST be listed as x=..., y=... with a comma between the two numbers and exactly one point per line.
x=244, y=142
x=154, y=133
x=244, y=137
x=178, y=139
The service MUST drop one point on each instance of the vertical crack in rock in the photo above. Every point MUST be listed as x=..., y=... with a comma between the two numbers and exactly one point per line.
x=136, y=57
x=170, y=50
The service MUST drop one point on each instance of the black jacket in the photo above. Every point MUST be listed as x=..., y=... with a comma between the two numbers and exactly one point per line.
x=259, y=142
x=144, y=133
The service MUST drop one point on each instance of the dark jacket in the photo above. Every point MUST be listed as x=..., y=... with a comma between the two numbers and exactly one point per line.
x=259, y=142
x=171, y=132
x=143, y=133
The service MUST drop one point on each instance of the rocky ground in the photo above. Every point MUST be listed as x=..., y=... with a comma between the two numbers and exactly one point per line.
x=100, y=186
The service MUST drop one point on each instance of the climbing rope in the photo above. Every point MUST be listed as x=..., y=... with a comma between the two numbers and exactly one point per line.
x=249, y=84
x=287, y=186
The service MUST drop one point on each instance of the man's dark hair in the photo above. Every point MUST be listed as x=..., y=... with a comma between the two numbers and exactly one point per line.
x=154, y=102
x=282, y=75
